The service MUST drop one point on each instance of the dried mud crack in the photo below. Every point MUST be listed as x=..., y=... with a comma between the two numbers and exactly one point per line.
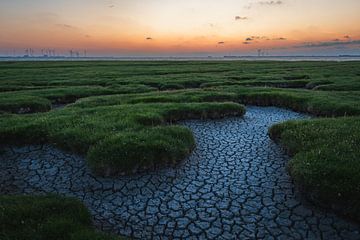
x=233, y=186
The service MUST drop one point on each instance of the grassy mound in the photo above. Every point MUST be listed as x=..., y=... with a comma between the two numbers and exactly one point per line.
x=151, y=148
x=107, y=129
x=328, y=104
x=326, y=162
x=23, y=104
x=39, y=100
x=336, y=103
x=181, y=96
x=47, y=217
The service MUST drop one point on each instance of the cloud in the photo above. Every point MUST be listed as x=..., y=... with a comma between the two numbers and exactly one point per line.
x=270, y=3
x=221, y=43
x=65, y=26
x=279, y=39
x=256, y=39
x=249, y=6
x=110, y=3
x=239, y=18
x=328, y=44
x=347, y=37
x=264, y=3
x=149, y=38
x=253, y=38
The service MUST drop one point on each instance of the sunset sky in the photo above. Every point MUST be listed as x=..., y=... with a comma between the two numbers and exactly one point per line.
x=181, y=27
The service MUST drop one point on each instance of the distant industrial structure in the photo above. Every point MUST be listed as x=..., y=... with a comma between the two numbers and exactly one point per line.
x=29, y=52
x=77, y=54
x=51, y=53
x=262, y=52
x=48, y=53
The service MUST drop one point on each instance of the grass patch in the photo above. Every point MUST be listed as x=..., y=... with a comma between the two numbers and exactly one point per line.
x=182, y=96
x=150, y=148
x=171, y=86
x=105, y=127
x=40, y=100
x=23, y=104
x=327, y=104
x=296, y=77
x=46, y=217
x=326, y=160
x=340, y=103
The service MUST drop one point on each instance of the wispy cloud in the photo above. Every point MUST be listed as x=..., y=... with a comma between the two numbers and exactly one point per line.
x=265, y=3
x=270, y=3
x=110, y=3
x=279, y=39
x=256, y=39
x=65, y=26
x=333, y=43
x=239, y=18
x=221, y=43
x=253, y=38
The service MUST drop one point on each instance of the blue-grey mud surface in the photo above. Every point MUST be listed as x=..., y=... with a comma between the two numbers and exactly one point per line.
x=233, y=186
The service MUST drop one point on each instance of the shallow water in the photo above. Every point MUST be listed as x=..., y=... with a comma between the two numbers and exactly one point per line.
x=233, y=186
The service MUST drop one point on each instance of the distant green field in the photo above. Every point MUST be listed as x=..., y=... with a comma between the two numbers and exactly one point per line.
x=35, y=86
x=114, y=107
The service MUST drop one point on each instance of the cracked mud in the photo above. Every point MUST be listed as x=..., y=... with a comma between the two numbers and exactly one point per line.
x=233, y=186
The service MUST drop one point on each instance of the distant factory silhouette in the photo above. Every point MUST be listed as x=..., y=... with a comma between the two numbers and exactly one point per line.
x=52, y=53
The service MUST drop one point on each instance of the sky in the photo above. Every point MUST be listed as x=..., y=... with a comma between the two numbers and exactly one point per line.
x=180, y=27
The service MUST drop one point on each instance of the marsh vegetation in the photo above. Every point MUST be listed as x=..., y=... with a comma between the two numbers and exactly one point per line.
x=122, y=115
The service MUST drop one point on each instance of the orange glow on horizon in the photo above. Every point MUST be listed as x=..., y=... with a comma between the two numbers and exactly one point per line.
x=120, y=26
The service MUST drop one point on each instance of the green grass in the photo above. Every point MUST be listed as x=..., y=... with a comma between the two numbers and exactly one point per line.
x=326, y=104
x=104, y=130
x=341, y=103
x=326, y=160
x=23, y=104
x=120, y=107
x=150, y=148
x=46, y=217
x=68, y=81
x=40, y=100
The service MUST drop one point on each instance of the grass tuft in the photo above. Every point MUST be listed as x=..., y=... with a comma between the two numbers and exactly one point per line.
x=46, y=217
x=135, y=152
x=326, y=160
